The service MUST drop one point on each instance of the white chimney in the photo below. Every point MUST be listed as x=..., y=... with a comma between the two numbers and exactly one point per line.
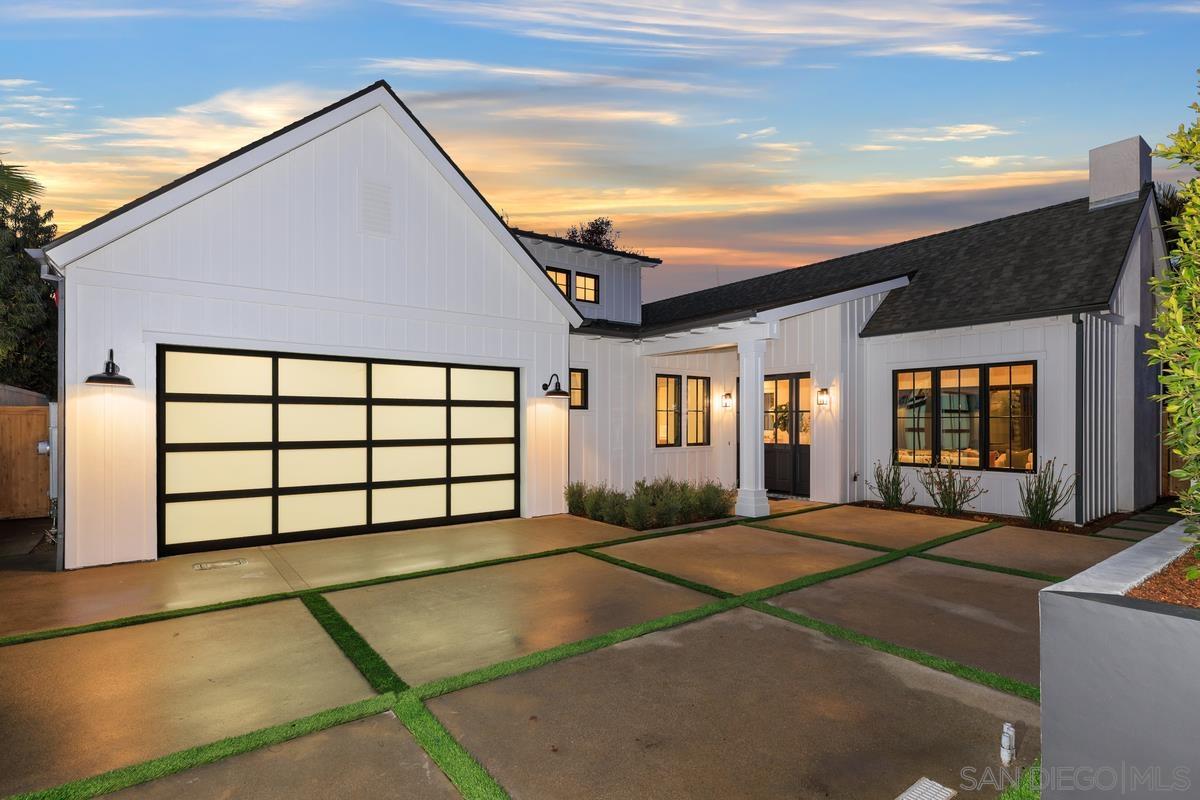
x=1117, y=172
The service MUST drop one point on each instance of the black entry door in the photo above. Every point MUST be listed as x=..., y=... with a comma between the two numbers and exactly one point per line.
x=787, y=432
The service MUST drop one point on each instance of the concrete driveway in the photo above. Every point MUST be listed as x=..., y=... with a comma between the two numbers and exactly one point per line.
x=866, y=659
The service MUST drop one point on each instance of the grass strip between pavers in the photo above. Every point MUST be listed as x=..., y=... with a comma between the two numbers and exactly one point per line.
x=373, y=667
x=974, y=674
x=471, y=779
x=1020, y=573
x=797, y=511
x=822, y=538
x=163, y=766
x=1028, y=786
x=654, y=573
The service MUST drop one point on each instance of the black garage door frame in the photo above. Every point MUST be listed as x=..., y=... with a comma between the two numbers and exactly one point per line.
x=369, y=444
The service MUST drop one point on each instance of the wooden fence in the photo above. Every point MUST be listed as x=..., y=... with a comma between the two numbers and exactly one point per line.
x=24, y=475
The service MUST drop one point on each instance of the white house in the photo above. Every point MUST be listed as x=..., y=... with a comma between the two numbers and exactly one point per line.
x=331, y=332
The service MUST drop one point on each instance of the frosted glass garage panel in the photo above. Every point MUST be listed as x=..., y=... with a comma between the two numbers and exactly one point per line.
x=408, y=382
x=321, y=510
x=482, y=384
x=472, y=423
x=208, y=520
x=217, y=373
x=218, y=471
x=217, y=422
x=322, y=466
x=319, y=378
x=408, y=422
x=408, y=463
x=407, y=503
x=301, y=422
x=481, y=498
x=483, y=459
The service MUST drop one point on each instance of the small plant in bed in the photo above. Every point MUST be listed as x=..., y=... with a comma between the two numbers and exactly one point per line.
x=1046, y=492
x=891, y=486
x=949, y=490
x=652, y=504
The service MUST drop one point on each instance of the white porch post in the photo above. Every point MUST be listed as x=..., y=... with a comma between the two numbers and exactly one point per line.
x=752, y=493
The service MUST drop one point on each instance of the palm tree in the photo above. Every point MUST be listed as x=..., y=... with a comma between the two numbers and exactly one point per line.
x=16, y=182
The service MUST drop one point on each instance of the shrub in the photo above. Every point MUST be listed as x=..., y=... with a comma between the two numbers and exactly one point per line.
x=1175, y=324
x=714, y=501
x=1044, y=493
x=594, y=498
x=950, y=491
x=574, y=495
x=612, y=507
x=891, y=486
x=639, y=513
x=655, y=504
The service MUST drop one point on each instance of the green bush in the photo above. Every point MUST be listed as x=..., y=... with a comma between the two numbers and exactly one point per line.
x=1044, y=493
x=655, y=504
x=891, y=486
x=949, y=490
x=1176, y=343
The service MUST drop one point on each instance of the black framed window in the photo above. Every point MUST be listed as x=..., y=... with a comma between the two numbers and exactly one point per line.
x=561, y=278
x=978, y=416
x=579, y=388
x=587, y=287
x=667, y=415
x=698, y=418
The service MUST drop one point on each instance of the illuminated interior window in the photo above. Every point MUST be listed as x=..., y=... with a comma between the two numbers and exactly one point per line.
x=959, y=417
x=666, y=411
x=698, y=422
x=322, y=378
x=587, y=287
x=914, y=417
x=561, y=278
x=579, y=388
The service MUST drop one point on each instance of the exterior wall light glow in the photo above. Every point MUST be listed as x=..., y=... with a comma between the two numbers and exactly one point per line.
x=727, y=400
x=822, y=397
x=111, y=376
x=556, y=392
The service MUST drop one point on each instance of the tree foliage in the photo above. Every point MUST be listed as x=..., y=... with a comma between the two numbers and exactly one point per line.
x=28, y=317
x=597, y=233
x=1176, y=334
x=16, y=183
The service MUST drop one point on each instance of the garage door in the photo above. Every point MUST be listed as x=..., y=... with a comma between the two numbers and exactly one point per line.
x=258, y=448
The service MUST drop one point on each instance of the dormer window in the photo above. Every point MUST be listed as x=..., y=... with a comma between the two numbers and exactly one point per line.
x=587, y=287
x=561, y=278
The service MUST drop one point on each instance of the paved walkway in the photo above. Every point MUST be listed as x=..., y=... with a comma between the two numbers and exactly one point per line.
x=837, y=652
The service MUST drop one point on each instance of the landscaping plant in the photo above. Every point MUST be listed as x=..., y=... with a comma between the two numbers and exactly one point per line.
x=1176, y=334
x=574, y=494
x=1044, y=493
x=652, y=504
x=950, y=491
x=891, y=486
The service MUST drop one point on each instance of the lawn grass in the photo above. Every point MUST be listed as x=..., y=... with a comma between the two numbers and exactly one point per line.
x=208, y=753
x=373, y=667
x=822, y=538
x=1020, y=573
x=471, y=779
x=654, y=573
x=1029, y=786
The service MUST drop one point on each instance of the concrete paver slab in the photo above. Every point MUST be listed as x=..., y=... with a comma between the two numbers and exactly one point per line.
x=373, y=757
x=984, y=619
x=1165, y=519
x=740, y=705
x=739, y=559
x=1142, y=525
x=788, y=504
x=448, y=624
x=894, y=529
x=35, y=601
x=330, y=561
x=1048, y=552
x=1126, y=533
x=81, y=705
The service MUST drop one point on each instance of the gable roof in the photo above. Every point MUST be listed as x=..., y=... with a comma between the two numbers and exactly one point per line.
x=1054, y=260
x=544, y=237
x=152, y=205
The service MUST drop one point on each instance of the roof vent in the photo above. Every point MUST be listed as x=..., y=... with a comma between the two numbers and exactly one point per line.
x=375, y=208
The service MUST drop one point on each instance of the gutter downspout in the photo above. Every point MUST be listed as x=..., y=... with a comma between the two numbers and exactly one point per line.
x=1080, y=364
x=52, y=274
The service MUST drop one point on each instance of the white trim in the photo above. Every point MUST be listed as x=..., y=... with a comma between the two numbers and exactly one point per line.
x=826, y=301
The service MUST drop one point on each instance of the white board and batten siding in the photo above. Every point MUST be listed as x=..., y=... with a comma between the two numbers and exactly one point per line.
x=612, y=442
x=620, y=279
x=351, y=244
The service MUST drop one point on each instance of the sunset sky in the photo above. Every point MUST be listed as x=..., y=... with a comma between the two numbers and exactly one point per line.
x=727, y=138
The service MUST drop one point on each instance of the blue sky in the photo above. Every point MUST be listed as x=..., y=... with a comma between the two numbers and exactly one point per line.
x=728, y=138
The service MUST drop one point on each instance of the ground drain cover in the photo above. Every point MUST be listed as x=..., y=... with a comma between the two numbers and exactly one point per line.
x=231, y=562
x=926, y=789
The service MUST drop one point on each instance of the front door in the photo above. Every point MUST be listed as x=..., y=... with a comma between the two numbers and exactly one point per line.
x=787, y=432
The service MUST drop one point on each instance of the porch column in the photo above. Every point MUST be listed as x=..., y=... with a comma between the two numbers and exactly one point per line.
x=752, y=492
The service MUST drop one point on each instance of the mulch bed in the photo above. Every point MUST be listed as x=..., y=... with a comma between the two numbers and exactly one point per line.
x=1019, y=522
x=1171, y=585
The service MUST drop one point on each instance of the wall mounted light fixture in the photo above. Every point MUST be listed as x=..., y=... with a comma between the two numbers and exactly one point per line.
x=111, y=376
x=822, y=397
x=727, y=400
x=556, y=392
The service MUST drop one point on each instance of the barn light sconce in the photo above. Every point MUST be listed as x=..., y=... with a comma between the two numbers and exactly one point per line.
x=111, y=376
x=727, y=400
x=557, y=392
x=822, y=397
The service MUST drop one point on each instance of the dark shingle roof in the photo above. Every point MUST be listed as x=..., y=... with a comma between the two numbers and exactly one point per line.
x=1039, y=263
x=545, y=237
